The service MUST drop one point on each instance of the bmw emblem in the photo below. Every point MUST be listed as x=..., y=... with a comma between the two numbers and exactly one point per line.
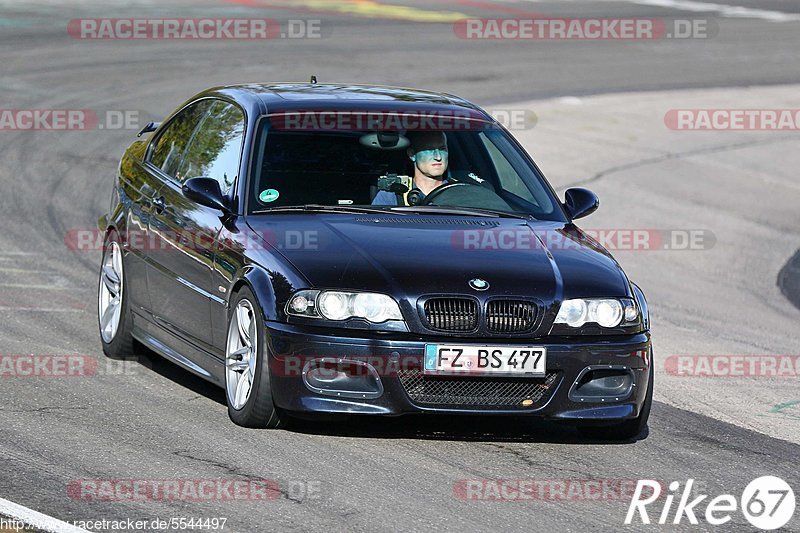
x=479, y=284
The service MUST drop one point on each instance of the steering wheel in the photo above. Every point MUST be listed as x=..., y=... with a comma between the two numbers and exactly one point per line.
x=462, y=194
x=438, y=191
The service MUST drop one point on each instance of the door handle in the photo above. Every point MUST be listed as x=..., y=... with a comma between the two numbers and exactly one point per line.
x=159, y=205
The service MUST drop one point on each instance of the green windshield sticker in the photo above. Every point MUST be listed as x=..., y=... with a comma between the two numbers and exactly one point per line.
x=270, y=195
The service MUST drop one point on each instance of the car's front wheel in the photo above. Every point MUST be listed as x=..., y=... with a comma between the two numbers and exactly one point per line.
x=113, y=314
x=247, y=376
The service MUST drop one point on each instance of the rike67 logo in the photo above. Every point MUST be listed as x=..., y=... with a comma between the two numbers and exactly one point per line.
x=767, y=503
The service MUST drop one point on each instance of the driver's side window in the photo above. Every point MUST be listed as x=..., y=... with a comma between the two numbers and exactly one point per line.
x=216, y=146
x=171, y=145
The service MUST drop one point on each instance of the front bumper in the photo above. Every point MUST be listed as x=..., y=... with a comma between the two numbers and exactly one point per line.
x=292, y=350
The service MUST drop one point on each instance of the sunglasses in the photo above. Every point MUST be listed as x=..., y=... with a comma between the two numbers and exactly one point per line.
x=424, y=156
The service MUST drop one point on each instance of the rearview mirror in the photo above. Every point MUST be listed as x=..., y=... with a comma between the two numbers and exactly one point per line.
x=205, y=191
x=580, y=202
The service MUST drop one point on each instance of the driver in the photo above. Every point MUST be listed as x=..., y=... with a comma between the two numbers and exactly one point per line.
x=428, y=151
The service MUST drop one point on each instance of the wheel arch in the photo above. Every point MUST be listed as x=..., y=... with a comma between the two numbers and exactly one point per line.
x=114, y=220
x=260, y=284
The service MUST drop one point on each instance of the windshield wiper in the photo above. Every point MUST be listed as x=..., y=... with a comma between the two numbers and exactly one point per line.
x=319, y=208
x=468, y=211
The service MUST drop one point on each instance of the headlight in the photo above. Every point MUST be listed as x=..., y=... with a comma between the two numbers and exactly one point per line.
x=375, y=307
x=340, y=305
x=334, y=305
x=605, y=312
x=572, y=313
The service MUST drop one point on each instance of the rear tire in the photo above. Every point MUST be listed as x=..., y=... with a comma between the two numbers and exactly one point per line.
x=114, y=317
x=248, y=388
x=628, y=430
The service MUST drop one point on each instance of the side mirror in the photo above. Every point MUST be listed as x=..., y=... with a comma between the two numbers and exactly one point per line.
x=580, y=202
x=205, y=191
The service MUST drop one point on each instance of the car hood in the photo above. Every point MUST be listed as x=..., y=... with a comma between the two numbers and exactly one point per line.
x=412, y=255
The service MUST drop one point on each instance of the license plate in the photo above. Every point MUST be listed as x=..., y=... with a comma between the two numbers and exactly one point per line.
x=475, y=359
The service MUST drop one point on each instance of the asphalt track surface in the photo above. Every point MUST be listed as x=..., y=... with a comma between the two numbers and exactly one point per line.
x=155, y=421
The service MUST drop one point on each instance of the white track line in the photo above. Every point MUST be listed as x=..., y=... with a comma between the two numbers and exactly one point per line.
x=43, y=309
x=37, y=287
x=723, y=10
x=26, y=270
x=37, y=519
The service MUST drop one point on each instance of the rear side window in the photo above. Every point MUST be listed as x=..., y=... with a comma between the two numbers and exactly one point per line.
x=216, y=146
x=171, y=144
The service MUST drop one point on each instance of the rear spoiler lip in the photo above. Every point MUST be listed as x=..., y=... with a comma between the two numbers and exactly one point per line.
x=149, y=128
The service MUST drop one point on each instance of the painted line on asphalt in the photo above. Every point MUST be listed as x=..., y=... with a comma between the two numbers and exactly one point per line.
x=37, y=519
x=358, y=8
x=26, y=271
x=36, y=287
x=42, y=309
x=724, y=10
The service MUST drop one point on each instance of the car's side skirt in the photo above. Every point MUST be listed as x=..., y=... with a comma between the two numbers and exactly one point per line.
x=179, y=351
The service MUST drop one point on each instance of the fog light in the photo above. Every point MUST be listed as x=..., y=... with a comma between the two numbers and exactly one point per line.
x=602, y=384
x=343, y=378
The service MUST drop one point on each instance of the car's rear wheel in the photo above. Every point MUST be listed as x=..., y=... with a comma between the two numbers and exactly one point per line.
x=247, y=376
x=113, y=315
x=628, y=430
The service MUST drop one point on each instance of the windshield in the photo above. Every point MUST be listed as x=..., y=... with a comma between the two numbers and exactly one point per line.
x=480, y=169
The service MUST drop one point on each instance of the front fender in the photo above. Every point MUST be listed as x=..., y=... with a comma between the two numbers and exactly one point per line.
x=115, y=218
x=261, y=283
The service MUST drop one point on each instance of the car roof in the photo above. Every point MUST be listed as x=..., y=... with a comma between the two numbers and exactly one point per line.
x=286, y=97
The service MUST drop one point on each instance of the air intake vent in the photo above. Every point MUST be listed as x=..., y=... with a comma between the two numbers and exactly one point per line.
x=451, y=314
x=510, y=316
x=431, y=221
x=478, y=392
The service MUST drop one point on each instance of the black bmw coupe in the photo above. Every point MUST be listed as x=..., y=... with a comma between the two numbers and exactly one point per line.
x=318, y=248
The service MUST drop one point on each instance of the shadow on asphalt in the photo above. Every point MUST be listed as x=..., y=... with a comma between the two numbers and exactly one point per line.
x=169, y=370
x=471, y=428
x=789, y=279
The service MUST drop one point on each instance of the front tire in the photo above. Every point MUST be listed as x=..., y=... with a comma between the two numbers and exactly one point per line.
x=247, y=377
x=113, y=313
